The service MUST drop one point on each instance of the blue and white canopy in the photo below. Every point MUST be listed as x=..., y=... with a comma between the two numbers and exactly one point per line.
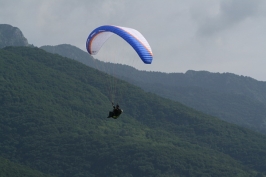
x=101, y=34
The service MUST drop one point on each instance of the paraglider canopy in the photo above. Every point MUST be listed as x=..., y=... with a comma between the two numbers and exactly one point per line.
x=100, y=35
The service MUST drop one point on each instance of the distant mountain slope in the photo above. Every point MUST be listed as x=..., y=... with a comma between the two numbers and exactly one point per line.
x=236, y=99
x=11, y=36
x=71, y=52
x=10, y=169
x=53, y=119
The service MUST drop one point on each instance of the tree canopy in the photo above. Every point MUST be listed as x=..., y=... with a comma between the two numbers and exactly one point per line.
x=53, y=119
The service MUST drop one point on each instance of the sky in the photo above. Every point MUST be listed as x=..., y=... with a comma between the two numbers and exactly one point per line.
x=202, y=35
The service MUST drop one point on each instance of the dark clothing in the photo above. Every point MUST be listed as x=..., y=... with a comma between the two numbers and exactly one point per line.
x=116, y=112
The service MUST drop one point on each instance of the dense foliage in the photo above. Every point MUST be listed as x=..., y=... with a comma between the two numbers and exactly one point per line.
x=10, y=169
x=53, y=119
x=235, y=99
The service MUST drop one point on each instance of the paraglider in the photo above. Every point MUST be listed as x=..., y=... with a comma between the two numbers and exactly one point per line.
x=101, y=34
x=116, y=112
x=134, y=38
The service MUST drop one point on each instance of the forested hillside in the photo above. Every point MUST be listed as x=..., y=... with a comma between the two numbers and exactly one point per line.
x=10, y=169
x=235, y=99
x=53, y=119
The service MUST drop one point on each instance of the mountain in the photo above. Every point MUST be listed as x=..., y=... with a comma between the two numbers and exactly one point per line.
x=72, y=52
x=11, y=36
x=10, y=169
x=235, y=99
x=53, y=119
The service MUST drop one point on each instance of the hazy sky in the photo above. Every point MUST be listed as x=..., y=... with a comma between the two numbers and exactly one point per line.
x=212, y=35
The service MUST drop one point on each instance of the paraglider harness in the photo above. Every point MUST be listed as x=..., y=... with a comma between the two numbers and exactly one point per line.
x=116, y=112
